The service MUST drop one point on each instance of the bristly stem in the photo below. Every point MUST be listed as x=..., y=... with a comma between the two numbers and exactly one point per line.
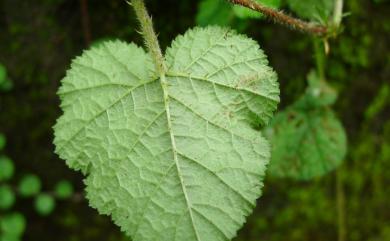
x=149, y=35
x=282, y=18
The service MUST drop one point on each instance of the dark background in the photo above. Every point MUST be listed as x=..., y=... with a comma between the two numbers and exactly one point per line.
x=38, y=39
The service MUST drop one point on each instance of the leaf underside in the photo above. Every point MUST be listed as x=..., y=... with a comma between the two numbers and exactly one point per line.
x=175, y=156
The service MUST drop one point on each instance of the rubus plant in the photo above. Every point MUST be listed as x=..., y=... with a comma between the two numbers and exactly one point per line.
x=171, y=144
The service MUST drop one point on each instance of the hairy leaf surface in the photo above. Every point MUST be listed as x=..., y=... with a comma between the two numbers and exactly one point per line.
x=174, y=156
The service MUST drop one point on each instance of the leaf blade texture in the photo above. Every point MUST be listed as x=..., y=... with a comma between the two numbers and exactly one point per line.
x=173, y=157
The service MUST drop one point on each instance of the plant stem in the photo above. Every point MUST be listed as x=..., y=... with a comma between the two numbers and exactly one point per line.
x=282, y=18
x=149, y=35
x=337, y=12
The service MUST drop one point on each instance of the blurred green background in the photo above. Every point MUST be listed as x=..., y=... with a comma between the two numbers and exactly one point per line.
x=38, y=39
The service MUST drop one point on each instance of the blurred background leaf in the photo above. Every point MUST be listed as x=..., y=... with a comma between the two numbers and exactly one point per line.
x=7, y=197
x=63, y=189
x=319, y=10
x=7, y=168
x=29, y=185
x=12, y=226
x=44, y=204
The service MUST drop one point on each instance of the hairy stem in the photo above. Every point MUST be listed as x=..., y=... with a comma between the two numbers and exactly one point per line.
x=282, y=18
x=149, y=35
x=338, y=12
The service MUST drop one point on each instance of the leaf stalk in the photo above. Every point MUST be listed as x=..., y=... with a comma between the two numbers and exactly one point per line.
x=149, y=35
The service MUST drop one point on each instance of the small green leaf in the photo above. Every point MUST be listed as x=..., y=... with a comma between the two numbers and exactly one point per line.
x=243, y=12
x=13, y=225
x=44, y=204
x=63, y=189
x=214, y=12
x=3, y=141
x=30, y=185
x=173, y=156
x=7, y=168
x=306, y=143
x=319, y=10
x=7, y=197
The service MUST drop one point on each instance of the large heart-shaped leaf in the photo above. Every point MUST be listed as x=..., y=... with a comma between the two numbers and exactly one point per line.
x=174, y=156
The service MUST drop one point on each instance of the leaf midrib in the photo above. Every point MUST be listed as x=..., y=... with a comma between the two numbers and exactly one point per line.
x=164, y=86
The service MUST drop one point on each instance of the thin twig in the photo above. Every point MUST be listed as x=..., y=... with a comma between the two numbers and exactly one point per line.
x=282, y=18
x=85, y=21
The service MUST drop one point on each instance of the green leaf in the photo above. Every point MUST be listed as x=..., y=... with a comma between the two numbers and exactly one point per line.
x=7, y=168
x=174, y=157
x=3, y=141
x=44, y=204
x=214, y=12
x=13, y=225
x=7, y=197
x=63, y=189
x=243, y=12
x=319, y=10
x=30, y=185
x=306, y=143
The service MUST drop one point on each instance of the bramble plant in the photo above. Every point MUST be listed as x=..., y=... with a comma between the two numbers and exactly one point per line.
x=172, y=146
